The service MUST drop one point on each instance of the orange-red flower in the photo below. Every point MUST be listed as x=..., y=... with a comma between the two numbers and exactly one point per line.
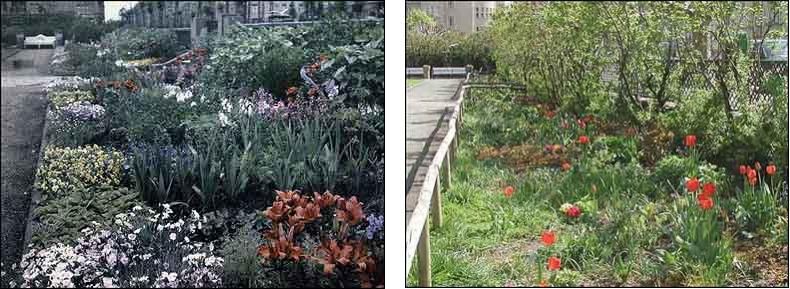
x=548, y=237
x=752, y=173
x=554, y=263
x=574, y=212
x=349, y=211
x=770, y=170
x=692, y=185
x=742, y=170
x=584, y=139
x=509, y=190
x=566, y=166
x=544, y=283
x=708, y=189
x=690, y=141
x=705, y=202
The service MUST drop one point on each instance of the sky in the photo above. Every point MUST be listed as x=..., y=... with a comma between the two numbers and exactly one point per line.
x=112, y=8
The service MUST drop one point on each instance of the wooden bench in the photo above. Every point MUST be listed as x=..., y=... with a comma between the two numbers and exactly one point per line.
x=448, y=71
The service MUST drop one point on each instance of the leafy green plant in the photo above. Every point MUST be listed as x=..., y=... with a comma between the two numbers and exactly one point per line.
x=757, y=207
x=61, y=218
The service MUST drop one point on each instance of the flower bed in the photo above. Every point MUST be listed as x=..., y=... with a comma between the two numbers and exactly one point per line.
x=197, y=152
x=599, y=216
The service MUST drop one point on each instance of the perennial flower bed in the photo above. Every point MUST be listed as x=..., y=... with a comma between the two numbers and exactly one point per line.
x=174, y=177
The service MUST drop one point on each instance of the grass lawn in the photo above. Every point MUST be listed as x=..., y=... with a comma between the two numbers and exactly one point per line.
x=412, y=82
x=637, y=225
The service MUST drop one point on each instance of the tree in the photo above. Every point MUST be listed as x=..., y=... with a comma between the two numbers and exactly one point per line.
x=420, y=21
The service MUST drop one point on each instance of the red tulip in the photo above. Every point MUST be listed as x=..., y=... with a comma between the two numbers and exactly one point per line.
x=708, y=189
x=690, y=141
x=548, y=237
x=770, y=170
x=554, y=263
x=752, y=173
x=584, y=139
x=753, y=181
x=509, y=191
x=573, y=212
x=692, y=185
x=742, y=170
x=705, y=202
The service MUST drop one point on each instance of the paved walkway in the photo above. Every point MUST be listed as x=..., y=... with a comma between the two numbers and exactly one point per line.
x=23, y=111
x=428, y=109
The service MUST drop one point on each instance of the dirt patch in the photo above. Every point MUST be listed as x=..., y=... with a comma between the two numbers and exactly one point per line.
x=767, y=262
x=524, y=156
x=502, y=254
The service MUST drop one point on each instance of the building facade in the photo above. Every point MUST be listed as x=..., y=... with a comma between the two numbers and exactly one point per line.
x=462, y=16
x=178, y=14
x=88, y=9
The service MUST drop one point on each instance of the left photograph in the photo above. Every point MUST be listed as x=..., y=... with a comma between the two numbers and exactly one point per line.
x=173, y=144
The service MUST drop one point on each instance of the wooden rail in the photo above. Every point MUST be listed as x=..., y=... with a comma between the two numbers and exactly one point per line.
x=430, y=196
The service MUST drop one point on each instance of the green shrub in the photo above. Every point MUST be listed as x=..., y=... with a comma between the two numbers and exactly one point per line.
x=242, y=263
x=67, y=169
x=140, y=43
x=147, y=114
x=622, y=149
x=61, y=218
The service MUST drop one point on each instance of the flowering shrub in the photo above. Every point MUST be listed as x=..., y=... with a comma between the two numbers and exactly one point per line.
x=62, y=98
x=66, y=169
x=142, y=248
x=758, y=202
x=75, y=124
x=320, y=230
x=73, y=83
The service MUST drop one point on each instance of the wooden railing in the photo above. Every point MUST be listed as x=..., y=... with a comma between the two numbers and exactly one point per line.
x=430, y=197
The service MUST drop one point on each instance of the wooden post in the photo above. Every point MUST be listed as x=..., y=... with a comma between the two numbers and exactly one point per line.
x=446, y=169
x=436, y=202
x=424, y=256
x=426, y=71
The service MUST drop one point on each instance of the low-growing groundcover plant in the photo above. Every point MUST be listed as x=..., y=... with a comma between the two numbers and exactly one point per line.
x=597, y=216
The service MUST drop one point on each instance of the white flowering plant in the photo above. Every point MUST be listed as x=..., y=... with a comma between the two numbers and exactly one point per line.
x=140, y=249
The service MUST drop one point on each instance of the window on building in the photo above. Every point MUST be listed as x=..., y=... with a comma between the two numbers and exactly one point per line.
x=450, y=4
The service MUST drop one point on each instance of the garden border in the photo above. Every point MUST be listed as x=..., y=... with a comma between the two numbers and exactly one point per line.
x=429, y=201
x=35, y=197
x=418, y=228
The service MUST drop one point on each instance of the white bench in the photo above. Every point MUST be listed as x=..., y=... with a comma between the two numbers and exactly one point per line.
x=414, y=71
x=449, y=71
x=40, y=40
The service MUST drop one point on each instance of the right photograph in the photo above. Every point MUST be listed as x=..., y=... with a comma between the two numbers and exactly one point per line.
x=596, y=144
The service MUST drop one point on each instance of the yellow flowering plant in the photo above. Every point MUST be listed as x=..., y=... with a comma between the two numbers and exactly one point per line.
x=63, y=98
x=65, y=169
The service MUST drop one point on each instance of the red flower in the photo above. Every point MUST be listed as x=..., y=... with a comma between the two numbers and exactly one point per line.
x=742, y=169
x=708, y=189
x=573, y=212
x=544, y=283
x=705, y=202
x=566, y=166
x=753, y=181
x=509, y=191
x=752, y=174
x=581, y=123
x=692, y=185
x=554, y=263
x=548, y=237
x=770, y=170
x=690, y=141
x=584, y=139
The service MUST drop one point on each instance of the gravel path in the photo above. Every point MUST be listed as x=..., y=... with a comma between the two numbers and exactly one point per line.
x=23, y=111
x=428, y=106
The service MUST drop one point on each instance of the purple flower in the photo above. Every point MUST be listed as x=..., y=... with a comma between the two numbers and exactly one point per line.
x=375, y=224
x=83, y=111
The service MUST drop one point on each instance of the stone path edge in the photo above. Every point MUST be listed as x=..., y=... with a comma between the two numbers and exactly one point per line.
x=35, y=197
